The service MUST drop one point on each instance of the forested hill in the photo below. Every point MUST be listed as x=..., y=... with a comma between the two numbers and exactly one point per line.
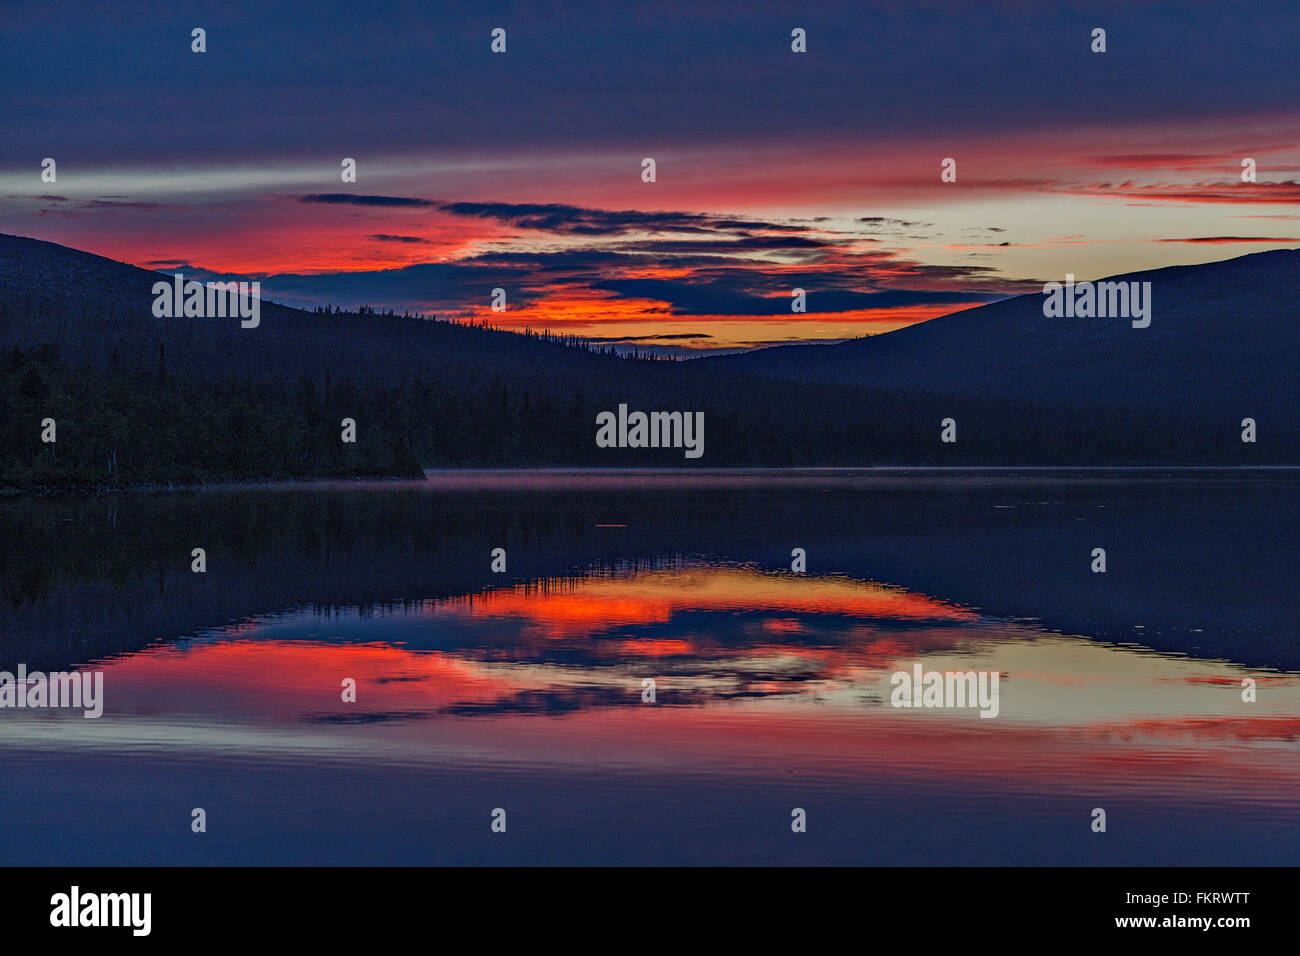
x=1222, y=338
x=141, y=399
x=93, y=308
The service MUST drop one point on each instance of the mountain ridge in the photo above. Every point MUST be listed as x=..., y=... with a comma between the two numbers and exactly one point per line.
x=142, y=400
x=1216, y=330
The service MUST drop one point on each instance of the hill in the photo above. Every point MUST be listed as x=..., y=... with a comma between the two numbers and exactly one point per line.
x=142, y=399
x=1223, y=340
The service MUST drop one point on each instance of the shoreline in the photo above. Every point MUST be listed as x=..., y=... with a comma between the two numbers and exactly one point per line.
x=685, y=474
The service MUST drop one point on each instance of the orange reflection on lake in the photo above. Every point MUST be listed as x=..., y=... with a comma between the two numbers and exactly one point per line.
x=754, y=671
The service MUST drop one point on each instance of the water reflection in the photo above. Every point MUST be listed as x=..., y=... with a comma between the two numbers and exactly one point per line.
x=772, y=690
x=748, y=665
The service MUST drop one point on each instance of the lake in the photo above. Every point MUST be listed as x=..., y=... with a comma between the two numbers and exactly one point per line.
x=649, y=681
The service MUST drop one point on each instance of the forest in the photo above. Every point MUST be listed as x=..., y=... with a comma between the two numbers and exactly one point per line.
x=118, y=424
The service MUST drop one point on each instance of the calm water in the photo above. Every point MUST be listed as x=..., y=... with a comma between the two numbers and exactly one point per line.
x=524, y=690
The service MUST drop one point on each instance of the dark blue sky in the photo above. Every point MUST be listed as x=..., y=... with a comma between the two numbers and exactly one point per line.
x=296, y=79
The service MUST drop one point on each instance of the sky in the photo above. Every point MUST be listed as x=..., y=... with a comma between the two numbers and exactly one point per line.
x=774, y=170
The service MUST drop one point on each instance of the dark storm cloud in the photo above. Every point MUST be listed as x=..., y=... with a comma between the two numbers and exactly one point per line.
x=565, y=220
x=738, y=244
x=728, y=265
x=578, y=221
x=65, y=205
x=889, y=221
x=1231, y=239
x=551, y=261
x=730, y=298
x=351, y=199
x=595, y=261
x=712, y=285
